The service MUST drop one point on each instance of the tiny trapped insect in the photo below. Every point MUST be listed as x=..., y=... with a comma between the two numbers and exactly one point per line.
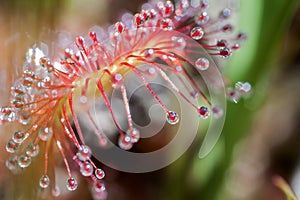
x=162, y=39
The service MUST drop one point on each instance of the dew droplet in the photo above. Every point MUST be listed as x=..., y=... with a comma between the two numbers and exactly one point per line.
x=241, y=36
x=71, y=184
x=28, y=73
x=119, y=27
x=24, y=118
x=202, y=18
x=178, y=68
x=225, y=13
x=99, y=186
x=197, y=33
x=32, y=150
x=172, y=117
x=11, y=146
x=236, y=46
x=168, y=9
x=80, y=42
x=27, y=82
x=93, y=36
x=19, y=137
x=12, y=163
x=54, y=93
x=227, y=28
x=84, y=153
x=125, y=142
x=44, y=181
x=204, y=4
x=203, y=112
x=233, y=94
x=24, y=161
x=134, y=135
x=151, y=71
x=149, y=54
x=184, y=4
x=86, y=168
x=152, y=13
x=178, y=42
x=222, y=43
x=18, y=104
x=17, y=91
x=217, y=111
x=202, y=64
x=116, y=80
x=166, y=24
x=138, y=20
x=8, y=114
x=225, y=52
x=243, y=87
x=45, y=133
x=99, y=173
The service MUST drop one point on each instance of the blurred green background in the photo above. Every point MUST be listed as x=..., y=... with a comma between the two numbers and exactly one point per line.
x=261, y=136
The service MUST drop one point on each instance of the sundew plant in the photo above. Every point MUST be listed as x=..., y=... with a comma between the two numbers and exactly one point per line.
x=99, y=98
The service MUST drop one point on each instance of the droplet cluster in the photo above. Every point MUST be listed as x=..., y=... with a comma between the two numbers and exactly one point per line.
x=241, y=89
x=165, y=37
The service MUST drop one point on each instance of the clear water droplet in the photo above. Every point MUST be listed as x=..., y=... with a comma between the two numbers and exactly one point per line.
x=44, y=181
x=184, y=4
x=134, y=135
x=84, y=153
x=119, y=27
x=71, y=184
x=202, y=64
x=149, y=54
x=32, y=150
x=83, y=99
x=243, y=87
x=12, y=163
x=178, y=68
x=99, y=186
x=99, y=173
x=168, y=9
x=222, y=43
x=166, y=24
x=8, y=114
x=54, y=93
x=172, y=117
x=19, y=137
x=24, y=118
x=203, y=112
x=17, y=91
x=225, y=13
x=138, y=20
x=45, y=133
x=27, y=82
x=151, y=71
x=233, y=94
x=125, y=142
x=217, y=111
x=179, y=43
x=11, y=146
x=24, y=161
x=116, y=80
x=225, y=52
x=197, y=33
x=202, y=18
x=86, y=168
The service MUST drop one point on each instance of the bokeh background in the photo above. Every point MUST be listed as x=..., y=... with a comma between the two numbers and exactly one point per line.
x=261, y=137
